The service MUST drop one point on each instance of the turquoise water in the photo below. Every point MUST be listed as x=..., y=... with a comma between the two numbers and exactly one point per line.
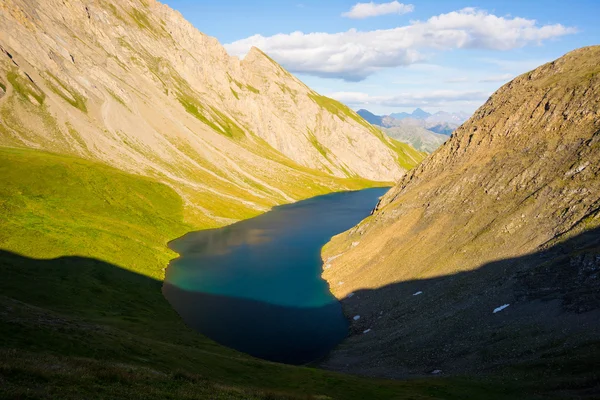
x=256, y=285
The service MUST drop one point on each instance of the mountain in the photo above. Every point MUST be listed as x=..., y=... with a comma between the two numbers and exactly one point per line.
x=370, y=117
x=133, y=85
x=419, y=138
x=420, y=114
x=445, y=128
x=485, y=258
x=441, y=122
x=443, y=116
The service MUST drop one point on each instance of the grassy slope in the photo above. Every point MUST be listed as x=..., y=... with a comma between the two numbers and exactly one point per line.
x=58, y=205
x=77, y=327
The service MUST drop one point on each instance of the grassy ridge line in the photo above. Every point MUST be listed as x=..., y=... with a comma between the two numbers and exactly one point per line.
x=76, y=327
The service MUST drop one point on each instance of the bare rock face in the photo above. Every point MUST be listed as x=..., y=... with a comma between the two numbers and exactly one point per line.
x=132, y=84
x=505, y=212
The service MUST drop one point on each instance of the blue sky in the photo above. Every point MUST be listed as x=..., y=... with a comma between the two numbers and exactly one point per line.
x=391, y=56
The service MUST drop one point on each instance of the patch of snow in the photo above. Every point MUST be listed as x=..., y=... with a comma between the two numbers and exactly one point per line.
x=340, y=282
x=498, y=309
x=436, y=371
x=367, y=331
x=327, y=266
x=354, y=244
x=418, y=293
x=356, y=317
x=350, y=295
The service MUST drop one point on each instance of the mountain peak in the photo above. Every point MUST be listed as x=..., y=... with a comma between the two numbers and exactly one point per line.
x=420, y=114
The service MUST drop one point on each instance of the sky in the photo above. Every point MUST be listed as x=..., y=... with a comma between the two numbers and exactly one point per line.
x=392, y=56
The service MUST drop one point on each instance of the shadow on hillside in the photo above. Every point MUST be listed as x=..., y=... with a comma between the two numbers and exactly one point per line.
x=554, y=298
x=79, y=285
x=448, y=323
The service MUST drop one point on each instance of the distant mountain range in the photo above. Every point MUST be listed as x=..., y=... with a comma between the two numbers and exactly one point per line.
x=441, y=122
x=421, y=129
x=418, y=114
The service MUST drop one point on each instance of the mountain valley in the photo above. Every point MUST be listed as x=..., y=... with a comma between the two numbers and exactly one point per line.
x=141, y=164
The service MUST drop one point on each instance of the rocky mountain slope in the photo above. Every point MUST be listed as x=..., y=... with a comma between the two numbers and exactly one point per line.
x=416, y=136
x=132, y=84
x=488, y=254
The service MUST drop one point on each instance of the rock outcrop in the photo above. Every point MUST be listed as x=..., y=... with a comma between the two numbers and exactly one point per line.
x=505, y=212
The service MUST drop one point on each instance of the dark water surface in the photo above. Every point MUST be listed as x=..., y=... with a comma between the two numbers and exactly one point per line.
x=256, y=285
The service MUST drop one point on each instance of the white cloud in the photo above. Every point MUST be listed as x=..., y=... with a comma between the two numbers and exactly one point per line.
x=366, y=10
x=353, y=55
x=435, y=98
x=498, y=78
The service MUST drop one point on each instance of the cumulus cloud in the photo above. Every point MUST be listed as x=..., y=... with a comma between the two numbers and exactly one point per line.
x=435, y=98
x=366, y=10
x=498, y=78
x=353, y=55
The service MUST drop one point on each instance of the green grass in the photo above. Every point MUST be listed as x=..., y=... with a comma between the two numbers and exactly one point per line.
x=3, y=86
x=317, y=145
x=113, y=9
x=408, y=157
x=58, y=205
x=25, y=88
x=227, y=126
x=74, y=98
x=252, y=89
x=241, y=86
x=232, y=129
x=141, y=19
x=117, y=98
x=193, y=108
x=81, y=309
